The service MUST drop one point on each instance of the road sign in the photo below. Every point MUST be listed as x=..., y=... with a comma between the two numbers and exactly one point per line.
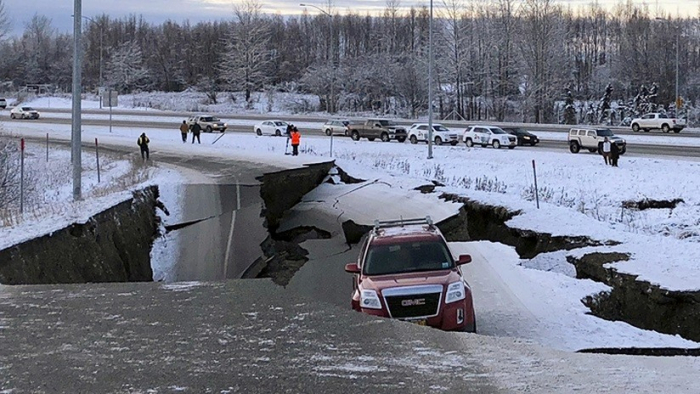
x=110, y=98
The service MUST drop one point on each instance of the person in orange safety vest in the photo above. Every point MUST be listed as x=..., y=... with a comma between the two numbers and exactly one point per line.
x=296, y=137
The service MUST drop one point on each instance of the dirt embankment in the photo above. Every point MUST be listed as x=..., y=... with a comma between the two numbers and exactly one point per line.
x=113, y=246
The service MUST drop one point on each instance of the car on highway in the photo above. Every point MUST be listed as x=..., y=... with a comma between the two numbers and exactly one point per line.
x=271, y=127
x=23, y=112
x=405, y=271
x=441, y=134
x=657, y=121
x=335, y=127
x=592, y=138
x=488, y=136
x=524, y=137
x=208, y=123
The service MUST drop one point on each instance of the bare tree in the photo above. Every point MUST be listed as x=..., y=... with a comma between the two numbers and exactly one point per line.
x=125, y=70
x=247, y=57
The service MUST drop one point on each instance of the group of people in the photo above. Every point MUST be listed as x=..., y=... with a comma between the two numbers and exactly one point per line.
x=611, y=152
x=195, y=128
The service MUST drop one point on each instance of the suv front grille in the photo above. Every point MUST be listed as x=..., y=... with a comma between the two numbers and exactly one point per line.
x=413, y=302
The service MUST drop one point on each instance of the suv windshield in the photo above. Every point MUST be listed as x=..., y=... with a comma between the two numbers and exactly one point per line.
x=440, y=128
x=604, y=133
x=407, y=257
x=209, y=119
x=497, y=130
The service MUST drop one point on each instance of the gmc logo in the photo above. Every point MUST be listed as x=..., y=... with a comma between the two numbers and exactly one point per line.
x=416, y=302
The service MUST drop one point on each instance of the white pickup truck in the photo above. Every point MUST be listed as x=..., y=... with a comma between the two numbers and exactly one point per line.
x=658, y=121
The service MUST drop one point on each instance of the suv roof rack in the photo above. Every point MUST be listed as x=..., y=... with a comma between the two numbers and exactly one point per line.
x=378, y=224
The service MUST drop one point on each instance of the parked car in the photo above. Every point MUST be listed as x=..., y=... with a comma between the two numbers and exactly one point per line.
x=384, y=129
x=592, y=138
x=523, y=136
x=271, y=127
x=441, y=134
x=488, y=135
x=20, y=112
x=208, y=123
x=3, y=103
x=657, y=121
x=335, y=127
x=405, y=271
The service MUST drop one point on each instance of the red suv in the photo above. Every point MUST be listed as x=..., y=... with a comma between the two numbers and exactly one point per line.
x=406, y=271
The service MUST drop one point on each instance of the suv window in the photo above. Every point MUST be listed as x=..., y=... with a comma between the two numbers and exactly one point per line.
x=407, y=257
x=604, y=133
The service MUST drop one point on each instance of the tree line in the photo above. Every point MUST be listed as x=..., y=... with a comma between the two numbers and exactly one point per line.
x=501, y=59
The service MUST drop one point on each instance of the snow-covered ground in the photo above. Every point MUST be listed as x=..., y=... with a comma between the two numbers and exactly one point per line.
x=579, y=195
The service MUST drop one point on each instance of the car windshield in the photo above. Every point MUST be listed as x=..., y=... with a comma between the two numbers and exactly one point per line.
x=497, y=130
x=27, y=109
x=279, y=123
x=604, y=133
x=407, y=257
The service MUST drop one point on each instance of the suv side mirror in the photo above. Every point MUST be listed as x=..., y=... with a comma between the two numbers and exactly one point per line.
x=463, y=259
x=352, y=268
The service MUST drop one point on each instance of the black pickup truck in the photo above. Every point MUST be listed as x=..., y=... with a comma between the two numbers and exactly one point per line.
x=383, y=129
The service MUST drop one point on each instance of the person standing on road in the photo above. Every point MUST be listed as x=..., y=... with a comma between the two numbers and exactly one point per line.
x=143, y=144
x=614, y=154
x=183, y=131
x=196, y=129
x=606, y=151
x=295, y=136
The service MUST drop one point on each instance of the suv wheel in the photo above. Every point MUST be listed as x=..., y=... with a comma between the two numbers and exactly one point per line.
x=635, y=127
x=208, y=129
x=496, y=144
x=413, y=139
x=574, y=147
x=258, y=132
x=469, y=142
x=328, y=132
x=12, y=116
x=438, y=141
x=385, y=137
x=355, y=135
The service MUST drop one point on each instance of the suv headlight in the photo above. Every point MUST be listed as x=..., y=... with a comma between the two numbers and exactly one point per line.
x=369, y=299
x=455, y=292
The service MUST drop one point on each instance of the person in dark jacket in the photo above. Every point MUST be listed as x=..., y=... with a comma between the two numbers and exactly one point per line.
x=614, y=154
x=183, y=130
x=295, y=136
x=143, y=144
x=196, y=129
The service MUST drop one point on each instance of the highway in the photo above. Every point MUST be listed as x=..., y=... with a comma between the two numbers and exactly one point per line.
x=243, y=123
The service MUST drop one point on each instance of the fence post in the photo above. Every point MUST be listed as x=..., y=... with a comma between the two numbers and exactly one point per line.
x=537, y=194
x=97, y=156
x=331, y=143
x=47, y=147
x=21, y=177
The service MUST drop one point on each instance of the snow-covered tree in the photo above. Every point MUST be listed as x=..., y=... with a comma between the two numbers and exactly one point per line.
x=247, y=57
x=125, y=70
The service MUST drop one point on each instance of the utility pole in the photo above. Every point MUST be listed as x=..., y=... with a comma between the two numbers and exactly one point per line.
x=430, y=83
x=76, y=113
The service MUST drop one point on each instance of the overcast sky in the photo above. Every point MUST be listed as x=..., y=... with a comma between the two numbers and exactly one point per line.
x=157, y=11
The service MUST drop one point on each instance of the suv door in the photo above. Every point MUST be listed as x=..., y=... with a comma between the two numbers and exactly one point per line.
x=481, y=136
x=591, y=139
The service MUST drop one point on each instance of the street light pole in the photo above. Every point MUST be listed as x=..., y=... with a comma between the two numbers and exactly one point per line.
x=331, y=103
x=677, y=57
x=76, y=138
x=430, y=83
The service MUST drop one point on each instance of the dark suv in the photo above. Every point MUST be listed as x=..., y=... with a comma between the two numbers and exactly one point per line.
x=524, y=137
x=405, y=270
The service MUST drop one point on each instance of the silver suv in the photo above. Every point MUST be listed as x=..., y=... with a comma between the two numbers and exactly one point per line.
x=592, y=139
